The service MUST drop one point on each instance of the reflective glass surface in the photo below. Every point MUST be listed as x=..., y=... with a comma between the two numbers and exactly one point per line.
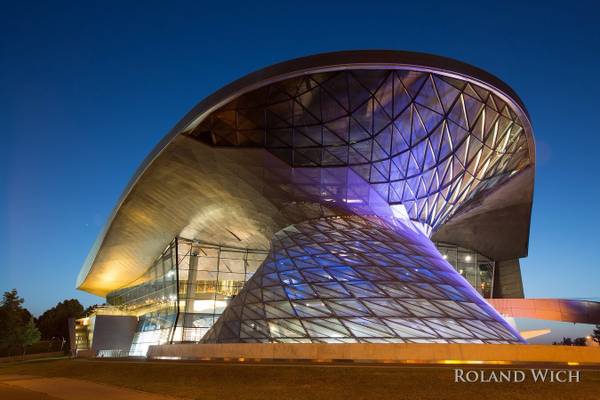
x=184, y=291
x=348, y=279
x=477, y=269
x=424, y=140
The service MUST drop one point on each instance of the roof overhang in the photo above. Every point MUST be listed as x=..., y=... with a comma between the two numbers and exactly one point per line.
x=185, y=187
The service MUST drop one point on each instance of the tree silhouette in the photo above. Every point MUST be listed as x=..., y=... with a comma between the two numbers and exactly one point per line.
x=54, y=322
x=566, y=341
x=28, y=335
x=17, y=328
x=596, y=334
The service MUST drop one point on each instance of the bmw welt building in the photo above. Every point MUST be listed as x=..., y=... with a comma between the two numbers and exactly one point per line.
x=350, y=197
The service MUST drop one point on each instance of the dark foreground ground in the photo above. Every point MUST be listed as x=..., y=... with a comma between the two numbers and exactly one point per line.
x=226, y=381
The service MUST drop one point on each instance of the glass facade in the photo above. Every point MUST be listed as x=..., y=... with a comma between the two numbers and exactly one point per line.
x=209, y=277
x=423, y=140
x=187, y=289
x=82, y=334
x=477, y=269
x=348, y=280
x=184, y=291
x=153, y=298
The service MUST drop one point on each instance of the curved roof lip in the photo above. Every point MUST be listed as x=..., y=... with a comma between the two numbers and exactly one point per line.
x=322, y=62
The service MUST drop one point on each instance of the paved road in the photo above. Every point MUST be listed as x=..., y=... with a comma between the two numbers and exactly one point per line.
x=16, y=393
x=24, y=387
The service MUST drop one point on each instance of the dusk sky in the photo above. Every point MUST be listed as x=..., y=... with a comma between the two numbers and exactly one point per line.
x=87, y=91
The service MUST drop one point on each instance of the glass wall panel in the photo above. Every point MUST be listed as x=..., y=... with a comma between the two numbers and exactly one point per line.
x=348, y=278
x=153, y=298
x=181, y=296
x=209, y=277
x=477, y=269
x=184, y=292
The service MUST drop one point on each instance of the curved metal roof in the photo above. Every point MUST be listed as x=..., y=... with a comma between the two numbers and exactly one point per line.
x=460, y=147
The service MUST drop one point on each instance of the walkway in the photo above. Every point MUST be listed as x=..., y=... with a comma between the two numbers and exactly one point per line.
x=24, y=387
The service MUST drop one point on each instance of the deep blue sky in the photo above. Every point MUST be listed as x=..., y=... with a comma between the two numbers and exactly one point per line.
x=86, y=93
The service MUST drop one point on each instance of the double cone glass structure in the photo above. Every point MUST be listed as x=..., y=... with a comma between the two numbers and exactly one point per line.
x=362, y=196
x=355, y=280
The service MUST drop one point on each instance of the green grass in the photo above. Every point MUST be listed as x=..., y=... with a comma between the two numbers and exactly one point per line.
x=306, y=382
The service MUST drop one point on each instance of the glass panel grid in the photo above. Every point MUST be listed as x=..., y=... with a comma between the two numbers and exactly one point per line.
x=356, y=295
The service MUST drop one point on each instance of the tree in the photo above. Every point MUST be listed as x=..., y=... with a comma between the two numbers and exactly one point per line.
x=566, y=341
x=28, y=335
x=596, y=334
x=11, y=309
x=88, y=311
x=580, y=341
x=54, y=323
x=17, y=328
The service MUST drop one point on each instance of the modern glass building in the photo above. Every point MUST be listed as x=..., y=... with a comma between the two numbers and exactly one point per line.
x=185, y=291
x=362, y=196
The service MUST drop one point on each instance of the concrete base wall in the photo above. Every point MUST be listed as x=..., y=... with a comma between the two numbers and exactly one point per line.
x=83, y=353
x=113, y=332
x=370, y=352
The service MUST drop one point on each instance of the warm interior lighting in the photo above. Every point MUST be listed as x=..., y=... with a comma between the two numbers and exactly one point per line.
x=208, y=306
x=501, y=362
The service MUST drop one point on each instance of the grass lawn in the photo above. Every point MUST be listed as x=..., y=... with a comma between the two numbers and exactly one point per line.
x=306, y=382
